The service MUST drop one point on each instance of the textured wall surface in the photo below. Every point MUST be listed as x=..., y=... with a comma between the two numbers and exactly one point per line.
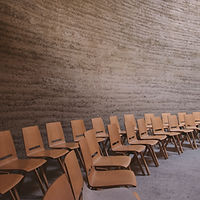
x=71, y=59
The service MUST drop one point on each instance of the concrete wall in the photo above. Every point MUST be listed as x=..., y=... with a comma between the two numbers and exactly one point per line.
x=69, y=59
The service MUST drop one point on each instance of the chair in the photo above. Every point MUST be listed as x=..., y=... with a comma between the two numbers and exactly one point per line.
x=118, y=147
x=60, y=190
x=130, y=117
x=147, y=118
x=114, y=120
x=104, y=161
x=196, y=116
x=132, y=140
x=8, y=183
x=165, y=120
x=181, y=119
x=143, y=135
x=174, y=127
x=76, y=178
x=9, y=161
x=105, y=179
x=35, y=147
x=158, y=129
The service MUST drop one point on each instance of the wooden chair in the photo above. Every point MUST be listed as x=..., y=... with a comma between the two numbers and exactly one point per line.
x=60, y=190
x=9, y=161
x=104, y=161
x=147, y=118
x=76, y=178
x=8, y=183
x=35, y=148
x=104, y=179
x=118, y=147
x=114, y=120
x=174, y=127
x=158, y=129
x=196, y=116
x=143, y=135
x=130, y=117
x=181, y=119
x=132, y=140
x=165, y=120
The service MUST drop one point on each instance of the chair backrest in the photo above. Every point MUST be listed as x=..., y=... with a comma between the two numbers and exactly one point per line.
x=173, y=121
x=165, y=118
x=55, y=134
x=7, y=148
x=181, y=117
x=189, y=120
x=130, y=131
x=147, y=118
x=157, y=124
x=196, y=116
x=142, y=127
x=130, y=117
x=86, y=156
x=90, y=136
x=59, y=190
x=78, y=129
x=74, y=174
x=114, y=120
x=32, y=140
x=114, y=135
x=98, y=125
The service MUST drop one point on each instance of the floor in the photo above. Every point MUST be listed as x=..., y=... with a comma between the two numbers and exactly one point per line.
x=177, y=178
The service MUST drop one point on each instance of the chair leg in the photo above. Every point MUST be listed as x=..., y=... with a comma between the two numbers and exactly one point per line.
x=161, y=149
x=164, y=148
x=189, y=140
x=12, y=195
x=44, y=177
x=62, y=165
x=176, y=146
x=179, y=143
x=139, y=163
x=40, y=181
x=194, y=141
x=16, y=194
x=145, y=163
x=154, y=155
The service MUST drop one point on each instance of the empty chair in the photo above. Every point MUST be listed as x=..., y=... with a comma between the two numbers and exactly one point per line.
x=35, y=148
x=181, y=119
x=158, y=129
x=143, y=135
x=8, y=183
x=60, y=190
x=196, y=116
x=165, y=120
x=132, y=139
x=118, y=147
x=114, y=120
x=10, y=162
x=147, y=118
x=174, y=127
x=104, y=161
x=130, y=117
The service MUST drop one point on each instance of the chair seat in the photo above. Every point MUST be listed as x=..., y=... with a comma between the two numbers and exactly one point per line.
x=102, y=135
x=98, y=139
x=26, y=165
x=154, y=137
x=122, y=132
x=68, y=145
x=166, y=133
x=8, y=181
x=49, y=153
x=180, y=130
x=143, y=142
x=129, y=148
x=111, y=178
x=112, y=161
x=192, y=127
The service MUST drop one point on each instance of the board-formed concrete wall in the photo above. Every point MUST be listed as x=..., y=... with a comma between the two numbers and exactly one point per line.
x=70, y=59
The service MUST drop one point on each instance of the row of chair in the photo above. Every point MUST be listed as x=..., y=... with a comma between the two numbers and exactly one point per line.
x=138, y=139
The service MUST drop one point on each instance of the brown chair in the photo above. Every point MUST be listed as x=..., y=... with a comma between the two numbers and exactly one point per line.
x=147, y=118
x=60, y=190
x=174, y=127
x=165, y=120
x=143, y=135
x=76, y=179
x=104, y=161
x=196, y=116
x=132, y=140
x=8, y=183
x=35, y=148
x=114, y=120
x=131, y=118
x=109, y=178
x=181, y=119
x=118, y=147
x=9, y=161
x=158, y=129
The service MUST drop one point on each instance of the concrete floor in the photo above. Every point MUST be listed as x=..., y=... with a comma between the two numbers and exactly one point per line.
x=175, y=179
